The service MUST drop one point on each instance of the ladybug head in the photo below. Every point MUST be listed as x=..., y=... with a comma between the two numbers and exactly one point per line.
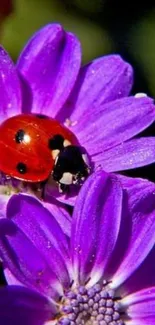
x=71, y=166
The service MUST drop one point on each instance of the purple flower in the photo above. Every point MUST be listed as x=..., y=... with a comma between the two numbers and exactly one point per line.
x=99, y=272
x=93, y=100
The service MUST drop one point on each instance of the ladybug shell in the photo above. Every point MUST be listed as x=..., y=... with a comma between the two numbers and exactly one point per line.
x=34, y=152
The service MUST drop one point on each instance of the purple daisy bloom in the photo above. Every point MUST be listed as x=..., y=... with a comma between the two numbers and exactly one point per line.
x=99, y=272
x=92, y=101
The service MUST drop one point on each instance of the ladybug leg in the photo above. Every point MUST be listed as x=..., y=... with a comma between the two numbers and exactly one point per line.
x=63, y=188
x=36, y=189
x=40, y=192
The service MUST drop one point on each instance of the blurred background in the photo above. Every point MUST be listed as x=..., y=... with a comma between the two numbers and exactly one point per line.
x=103, y=26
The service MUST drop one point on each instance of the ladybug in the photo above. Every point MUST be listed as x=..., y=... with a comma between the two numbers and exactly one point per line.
x=35, y=148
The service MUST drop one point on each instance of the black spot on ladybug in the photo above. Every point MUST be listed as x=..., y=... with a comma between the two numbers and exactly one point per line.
x=56, y=142
x=19, y=136
x=41, y=116
x=21, y=167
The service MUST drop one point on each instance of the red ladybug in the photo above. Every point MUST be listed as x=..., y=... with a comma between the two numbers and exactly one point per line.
x=36, y=147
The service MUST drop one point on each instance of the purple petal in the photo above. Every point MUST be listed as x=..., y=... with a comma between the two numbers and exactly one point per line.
x=139, y=234
x=43, y=231
x=49, y=65
x=115, y=122
x=61, y=215
x=25, y=262
x=141, y=321
x=97, y=215
x=141, y=304
x=136, y=188
x=103, y=80
x=19, y=305
x=66, y=198
x=10, y=93
x=128, y=155
x=10, y=278
x=139, y=280
x=3, y=204
x=130, y=183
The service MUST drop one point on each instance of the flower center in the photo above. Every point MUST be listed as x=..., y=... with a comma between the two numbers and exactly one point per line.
x=95, y=306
